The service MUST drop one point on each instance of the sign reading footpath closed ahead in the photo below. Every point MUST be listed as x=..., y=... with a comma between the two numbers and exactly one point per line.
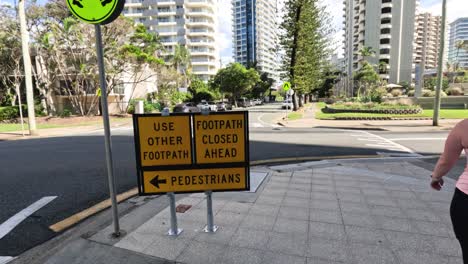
x=192, y=152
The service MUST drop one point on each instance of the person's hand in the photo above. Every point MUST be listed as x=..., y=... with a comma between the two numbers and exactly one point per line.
x=437, y=184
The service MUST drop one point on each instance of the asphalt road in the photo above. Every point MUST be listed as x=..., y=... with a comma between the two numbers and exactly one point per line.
x=73, y=167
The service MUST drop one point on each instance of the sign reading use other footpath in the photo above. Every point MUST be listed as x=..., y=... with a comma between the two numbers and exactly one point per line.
x=192, y=152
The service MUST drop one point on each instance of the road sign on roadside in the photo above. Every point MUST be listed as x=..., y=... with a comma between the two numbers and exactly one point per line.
x=286, y=86
x=220, y=138
x=191, y=152
x=194, y=180
x=164, y=140
x=96, y=11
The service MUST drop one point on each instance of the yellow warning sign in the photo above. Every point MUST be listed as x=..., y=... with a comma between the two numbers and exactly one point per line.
x=164, y=140
x=195, y=180
x=220, y=138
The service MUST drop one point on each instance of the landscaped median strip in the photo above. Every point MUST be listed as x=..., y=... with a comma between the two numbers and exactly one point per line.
x=76, y=218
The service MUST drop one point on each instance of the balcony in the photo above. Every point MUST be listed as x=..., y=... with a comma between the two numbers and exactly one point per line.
x=389, y=4
x=382, y=26
x=199, y=3
x=385, y=36
x=384, y=56
x=385, y=46
x=386, y=15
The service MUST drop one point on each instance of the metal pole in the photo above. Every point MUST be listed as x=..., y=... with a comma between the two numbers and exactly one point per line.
x=107, y=141
x=20, y=109
x=174, y=231
x=27, y=69
x=440, y=77
x=210, y=227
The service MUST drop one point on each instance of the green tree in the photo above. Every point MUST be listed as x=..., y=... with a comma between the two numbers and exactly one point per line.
x=262, y=86
x=305, y=41
x=367, y=78
x=235, y=80
x=366, y=52
x=181, y=60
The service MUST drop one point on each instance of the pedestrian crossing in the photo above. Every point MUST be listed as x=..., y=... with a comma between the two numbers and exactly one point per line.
x=390, y=148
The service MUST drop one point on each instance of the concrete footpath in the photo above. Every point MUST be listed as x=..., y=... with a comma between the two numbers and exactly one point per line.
x=355, y=211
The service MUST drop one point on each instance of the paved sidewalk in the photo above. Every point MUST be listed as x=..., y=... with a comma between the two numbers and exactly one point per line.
x=63, y=131
x=367, y=211
x=309, y=120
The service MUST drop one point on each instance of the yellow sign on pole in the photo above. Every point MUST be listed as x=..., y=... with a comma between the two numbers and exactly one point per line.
x=191, y=152
x=164, y=140
x=196, y=180
x=220, y=138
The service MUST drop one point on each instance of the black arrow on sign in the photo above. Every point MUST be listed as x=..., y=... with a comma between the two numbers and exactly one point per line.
x=156, y=181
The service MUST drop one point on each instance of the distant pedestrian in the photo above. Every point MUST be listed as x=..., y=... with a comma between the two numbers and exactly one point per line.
x=455, y=143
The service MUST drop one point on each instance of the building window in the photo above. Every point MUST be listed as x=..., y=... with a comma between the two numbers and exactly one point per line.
x=385, y=31
x=385, y=41
x=386, y=10
x=385, y=51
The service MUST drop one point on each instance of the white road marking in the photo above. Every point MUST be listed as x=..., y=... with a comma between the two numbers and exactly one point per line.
x=259, y=118
x=4, y=260
x=257, y=125
x=411, y=139
x=381, y=142
x=15, y=220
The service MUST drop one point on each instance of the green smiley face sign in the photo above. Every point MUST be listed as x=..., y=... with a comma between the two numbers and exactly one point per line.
x=96, y=11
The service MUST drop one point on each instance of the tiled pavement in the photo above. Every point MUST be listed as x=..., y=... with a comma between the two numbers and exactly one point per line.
x=358, y=213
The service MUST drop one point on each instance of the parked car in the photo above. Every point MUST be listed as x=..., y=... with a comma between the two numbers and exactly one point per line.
x=242, y=102
x=188, y=107
x=213, y=106
x=258, y=102
x=287, y=104
x=223, y=106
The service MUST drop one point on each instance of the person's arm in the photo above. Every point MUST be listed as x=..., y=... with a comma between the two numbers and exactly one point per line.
x=452, y=151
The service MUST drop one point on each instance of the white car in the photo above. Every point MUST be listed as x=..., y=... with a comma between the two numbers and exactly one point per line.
x=287, y=104
x=205, y=105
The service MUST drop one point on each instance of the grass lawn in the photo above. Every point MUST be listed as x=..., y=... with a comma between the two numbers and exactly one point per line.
x=444, y=113
x=294, y=116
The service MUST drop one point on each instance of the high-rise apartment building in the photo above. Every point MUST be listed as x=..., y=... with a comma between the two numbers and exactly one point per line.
x=190, y=23
x=255, y=35
x=383, y=26
x=458, y=31
x=427, y=40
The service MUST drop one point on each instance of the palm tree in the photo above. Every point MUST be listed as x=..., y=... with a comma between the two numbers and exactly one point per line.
x=182, y=62
x=366, y=52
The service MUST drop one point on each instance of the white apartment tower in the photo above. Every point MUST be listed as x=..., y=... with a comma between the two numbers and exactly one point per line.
x=255, y=35
x=427, y=40
x=190, y=23
x=383, y=26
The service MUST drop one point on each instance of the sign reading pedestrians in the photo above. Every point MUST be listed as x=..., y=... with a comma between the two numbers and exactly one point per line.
x=192, y=152
x=194, y=180
x=286, y=86
x=96, y=11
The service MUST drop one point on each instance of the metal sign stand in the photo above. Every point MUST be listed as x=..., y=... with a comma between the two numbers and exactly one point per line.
x=210, y=227
x=107, y=141
x=174, y=231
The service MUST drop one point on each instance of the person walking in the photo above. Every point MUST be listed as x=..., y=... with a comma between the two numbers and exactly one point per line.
x=456, y=142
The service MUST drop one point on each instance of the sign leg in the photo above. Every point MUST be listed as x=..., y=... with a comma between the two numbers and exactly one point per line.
x=174, y=231
x=210, y=227
x=107, y=141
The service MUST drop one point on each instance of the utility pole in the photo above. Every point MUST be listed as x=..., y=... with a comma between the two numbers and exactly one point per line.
x=440, y=77
x=27, y=69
